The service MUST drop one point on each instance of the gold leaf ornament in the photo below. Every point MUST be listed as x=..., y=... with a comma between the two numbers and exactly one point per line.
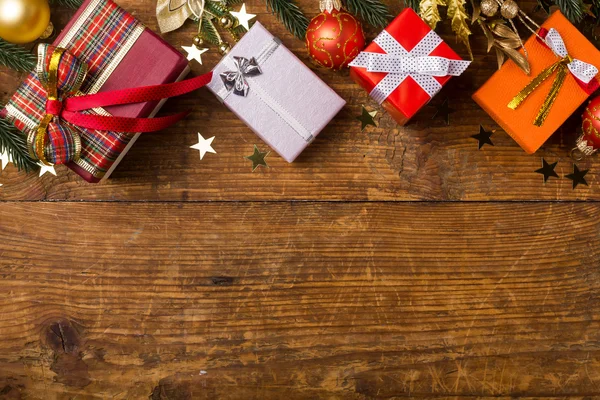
x=428, y=10
x=459, y=17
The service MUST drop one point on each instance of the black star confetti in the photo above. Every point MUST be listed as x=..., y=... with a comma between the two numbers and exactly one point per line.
x=483, y=137
x=444, y=111
x=367, y=118
x=258, y=158
x=577, y=176
x=547, y=170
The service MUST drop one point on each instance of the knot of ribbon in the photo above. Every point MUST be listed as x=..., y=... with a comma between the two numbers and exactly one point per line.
x=235, y=81
x=400, y=63
x=583, y=72
x=62, y=75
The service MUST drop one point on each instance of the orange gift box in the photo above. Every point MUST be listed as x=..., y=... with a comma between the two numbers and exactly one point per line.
x=495, y=94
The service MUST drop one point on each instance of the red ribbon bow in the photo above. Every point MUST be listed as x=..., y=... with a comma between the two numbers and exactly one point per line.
x=62, y=74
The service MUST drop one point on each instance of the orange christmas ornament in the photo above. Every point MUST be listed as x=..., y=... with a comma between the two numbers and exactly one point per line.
x=334, y=37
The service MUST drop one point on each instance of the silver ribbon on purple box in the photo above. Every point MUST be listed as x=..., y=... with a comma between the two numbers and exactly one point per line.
x=236, y=80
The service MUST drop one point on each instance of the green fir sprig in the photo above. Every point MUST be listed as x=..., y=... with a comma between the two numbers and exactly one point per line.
x=414, y=4
x=374, y=12
x=574, y=10
x=16, y=57
x=14, y=143
x=290, y=15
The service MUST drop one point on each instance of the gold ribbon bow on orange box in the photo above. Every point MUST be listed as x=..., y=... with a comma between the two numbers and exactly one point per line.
x=583, y=73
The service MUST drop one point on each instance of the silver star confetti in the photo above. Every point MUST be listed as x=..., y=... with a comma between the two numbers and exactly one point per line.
x=46, y=168
x=243, y=17
x=204, y=146
x=194, y=53
x=5, y=159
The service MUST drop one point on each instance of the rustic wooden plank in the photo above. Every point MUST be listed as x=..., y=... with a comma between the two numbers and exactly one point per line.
x=299, y=300
x=425, y=160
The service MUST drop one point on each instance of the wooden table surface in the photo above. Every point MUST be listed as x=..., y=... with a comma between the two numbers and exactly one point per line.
x=395, y=262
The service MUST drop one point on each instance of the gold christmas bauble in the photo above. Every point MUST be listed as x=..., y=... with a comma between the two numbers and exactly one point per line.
x=226, y=22
x=224, y=48
x=23, y=21
x=198, y=41
x=489, y=7
x=509, y=9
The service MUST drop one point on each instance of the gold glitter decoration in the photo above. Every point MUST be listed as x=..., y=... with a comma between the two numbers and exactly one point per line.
x=562, y=71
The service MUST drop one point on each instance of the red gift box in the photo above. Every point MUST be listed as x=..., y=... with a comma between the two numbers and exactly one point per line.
x=120, y=53
x=420, y=61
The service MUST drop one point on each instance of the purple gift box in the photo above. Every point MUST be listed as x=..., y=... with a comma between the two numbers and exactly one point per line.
x=274, y=93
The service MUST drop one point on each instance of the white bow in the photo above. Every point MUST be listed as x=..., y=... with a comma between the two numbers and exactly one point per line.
x=400, y=64
x=580, y=69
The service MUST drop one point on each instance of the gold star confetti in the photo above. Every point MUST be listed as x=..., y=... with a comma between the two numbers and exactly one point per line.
x=258, y=158
x=367, y=118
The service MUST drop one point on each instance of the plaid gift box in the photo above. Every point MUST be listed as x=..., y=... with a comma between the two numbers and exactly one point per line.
x=120, y=53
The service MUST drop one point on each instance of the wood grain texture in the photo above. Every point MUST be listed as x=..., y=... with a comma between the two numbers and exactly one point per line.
x=426, y=160
x=188, y=279
x=289, y=300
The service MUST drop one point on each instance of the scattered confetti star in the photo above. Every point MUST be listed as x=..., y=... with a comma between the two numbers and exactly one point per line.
x=578, y=176
x=204, y=146
x=258, y=158
x=243, y=17
x=547, y=170
x=444, y=111
x=5, y=159
x=194, y=53
x=367, y=118
x=46, y=168
x=483, y=137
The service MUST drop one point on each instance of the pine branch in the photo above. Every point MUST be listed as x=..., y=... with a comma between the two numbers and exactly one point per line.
x=209, y=31
x=67, y=3
x=414, y=4
x=374, y=12
x=16, y=57
x=574, y=10
x=13, y=142
x=292, y=17
x=215, y=8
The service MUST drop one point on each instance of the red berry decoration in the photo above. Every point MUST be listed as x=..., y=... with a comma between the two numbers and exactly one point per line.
x=589, y=142
x=334, y=38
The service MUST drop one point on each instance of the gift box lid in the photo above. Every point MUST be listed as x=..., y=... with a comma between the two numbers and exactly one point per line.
x=121, y=53
x=497, y=92
x=287, y=105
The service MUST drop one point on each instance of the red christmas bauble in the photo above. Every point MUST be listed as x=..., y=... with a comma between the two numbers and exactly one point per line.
x=334, y=39
x=591, y=123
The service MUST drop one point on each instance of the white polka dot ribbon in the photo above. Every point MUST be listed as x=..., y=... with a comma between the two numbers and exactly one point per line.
x=400, y=64
x=580, y=69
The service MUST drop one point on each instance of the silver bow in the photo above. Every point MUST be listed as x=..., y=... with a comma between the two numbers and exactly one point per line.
x=583, y=71
x=236, y=80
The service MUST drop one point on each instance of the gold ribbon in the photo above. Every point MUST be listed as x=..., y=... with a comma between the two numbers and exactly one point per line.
x=561, y=66
x=52, y=90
